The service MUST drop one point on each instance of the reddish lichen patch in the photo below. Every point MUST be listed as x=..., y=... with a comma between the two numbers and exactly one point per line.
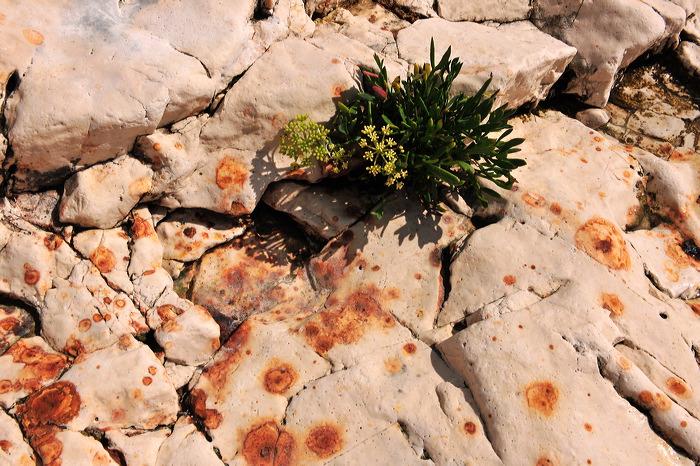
x=259, y=444
x=542, y=397
x=49, y=448
x=147, y=381
x=103, y=259
x=534, y=199
x=678, y=387
x=198, y=400
x=31, y=276
x=624, y=363
x=231, y=174
x=33, y=37
x=337, y=90
x=684, y=424
x=84, y=325
x=603, y=241
x=675, y=252
x=324, y=440
x=555, y=208
x=646, y=397
x=393, y=365
x=39, y=366
x=409, y=348
x=284, y=450
x=509, y=279
x=696, y=308
x=662, y=402
x=279, y=377
x=55, y=404
x=52, y=242
x=470, y=428
x=189, y=232
x=228, y=357
x=141, y=228
x=5, y=445
x=588, y=427
x=544, y=462
x=612, y=303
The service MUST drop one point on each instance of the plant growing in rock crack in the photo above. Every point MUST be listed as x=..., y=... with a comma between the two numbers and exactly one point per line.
x=412, y=133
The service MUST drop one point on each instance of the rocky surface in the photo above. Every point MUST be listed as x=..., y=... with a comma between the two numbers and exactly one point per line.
x=172, y=292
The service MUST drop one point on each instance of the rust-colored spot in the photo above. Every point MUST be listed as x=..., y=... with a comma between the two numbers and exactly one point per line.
x=375, y=268
x=335, y=61
x=190, y=232
x=436, y=257
x=103, y=259
x=588, y=427
x=696, y=308
x=646, y=397
x=5, y=445
x=149, y=272
x=684, y=424
x=337, y=90
x=157, y=146
x=470, y=428
x=662, y=402
x=598, y=148
x=542, y=397
x=583, y=160
x=31, y=276
x=509, y=279
x=96, y=318
x=678, y=387
x=603, y=241
x=147, y=381
x=177, y=146
x=124, y=342
x=152, y=370
x=599, y=139
x=49, y=448
x=52, y=242
x=5, y=386
x=410, y=348
x=393, y=365
x=55, y=404
x=168, y=312
x=324, y=440
x=534, y=199
x=551, y=347
x=107, y=317
x=624, y=363
x=33, y=37
x=259, y=444
x=141, y=228
x=544, y=462
x=84, y=325
x=229, y=356
x=418, y=276
x=612, y=303
x=118, y=415
x=279, y=378
x=211, y=417
x=555, y=208
x=284, y=450
x=279, y=120
x=231, y=174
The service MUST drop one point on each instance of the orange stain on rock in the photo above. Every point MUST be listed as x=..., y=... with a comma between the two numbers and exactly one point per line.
x=103, y=259
x=55, y=404
x=260, y=446
x=678, y=387
x=141, y=228
x=470, y=428
x=624, y=363
x=612, y=303
x=555, y=208
x=147, y=381
x=337, y=90
x=84, y=325
x=393, y=365
x=198, y=400
x=324, y=440
x=646, y=397
x=544, y=462
x=542, y=397
x=409, y=348
x=534, y=199
x=588, y=427
x=52, y=242
x=31, y=276
x=231, y=174
x=603, y=241
x=33, y=37
x=509, y=279
x=279, y=377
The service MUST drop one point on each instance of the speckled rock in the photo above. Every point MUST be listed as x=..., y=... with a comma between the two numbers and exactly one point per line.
x=102, y=195
x=109, y=251
x=13, y=448
x=26, y=367
x=359, y=29
x=39, y=209
x=523, y=61
x=189, y=336
x=604, y=44
x=15, y=323
x=492, y=10
x=139, y=448
x=185, y=446
x=68, y=447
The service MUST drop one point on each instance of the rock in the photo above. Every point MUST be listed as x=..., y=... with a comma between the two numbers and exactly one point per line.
x=109, y=251
x=323, y=211
x=378, y=15
x=593, y=117
x=187, y=235
x=672, y=270
x=689, y=56
x=27, y=366
x=360, y=29
x=523, y=62
x=186, y=446
x=664, y=127
x=134, y=390
x=15, y=323
x=178, y=374
x=604, y=45
x=38, y=209
x=138, y=448
x=189, y=337
x=501, y=11
x=102, y=195
x=146, y=270
x=412, y=8
x=14, y=449
x=67, y=447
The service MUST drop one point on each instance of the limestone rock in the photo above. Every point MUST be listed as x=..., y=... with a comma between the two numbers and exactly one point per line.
x=102, y=195
x=593, y=117
x=38, y=209
x=501, y=11
x=187, y=235
x=134, y=390
x=359, y=29
x=68, y=447
x=109, y=251
x=138, y=448
x=26, y=367
x=15, y=323
x=186, y=446
x=523, y=62
x=179, y=374
x=673, y=271
x=689, y=55
x=604, y=44
x=420, y=8
x=189, y=337
x=666, y=127
x=14, y=449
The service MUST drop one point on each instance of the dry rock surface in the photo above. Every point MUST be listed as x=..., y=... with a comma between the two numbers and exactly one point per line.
x=173, y=293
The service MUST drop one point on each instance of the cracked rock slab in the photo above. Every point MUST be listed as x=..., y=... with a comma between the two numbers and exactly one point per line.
x=15, y=323
x=523, y=61
x=13, y=448
x=137, y=448
x=109, y=251
x=501, y=11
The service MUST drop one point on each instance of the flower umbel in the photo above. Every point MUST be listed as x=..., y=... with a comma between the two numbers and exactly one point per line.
x=381, y=152
x=307, y=142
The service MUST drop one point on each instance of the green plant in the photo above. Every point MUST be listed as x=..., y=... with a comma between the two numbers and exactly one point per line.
x=307, y=142
x=414, y=132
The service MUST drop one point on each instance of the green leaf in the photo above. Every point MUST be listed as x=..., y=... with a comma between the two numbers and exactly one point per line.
x=444, y=175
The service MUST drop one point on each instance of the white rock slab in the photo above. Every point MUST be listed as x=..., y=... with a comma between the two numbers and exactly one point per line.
x=359, y=29
x=26, y=367
x=605, y=44
x=673, y=271
x=68, y=447
x=689, y=56
x=109, y=251
x=523, y=61
x=13, y=448
x=190, y=337
x=138, y=448
x=666, y=127
x=121, y=386
x=186, y=446
x=388, y=446
x=593, y=117
x=501, y=11
x=102, y=195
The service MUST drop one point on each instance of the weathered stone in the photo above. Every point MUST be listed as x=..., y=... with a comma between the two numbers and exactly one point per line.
x=109, y=251
x=38, y=208
x=102, y=195
x=413, y=8
x=121, y=386
x=671, y=269
x=378, y=15
x=523, y=62
x=664, y=127
x=178, y=374
x=138, y=448
x=689, y=56
x=492, y=10
x=15, y=323
x=26, y=367
x=13, y=448
x=68, y=447
x=187, y=235
x=593, y=117
x=387, y=447
x=185, y=446
x=323, y=211
x=359, y=29
x=604, y=43
x=189, y=337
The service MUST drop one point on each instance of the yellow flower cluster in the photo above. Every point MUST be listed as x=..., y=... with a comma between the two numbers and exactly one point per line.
x=381, y=151
x=306, y=142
